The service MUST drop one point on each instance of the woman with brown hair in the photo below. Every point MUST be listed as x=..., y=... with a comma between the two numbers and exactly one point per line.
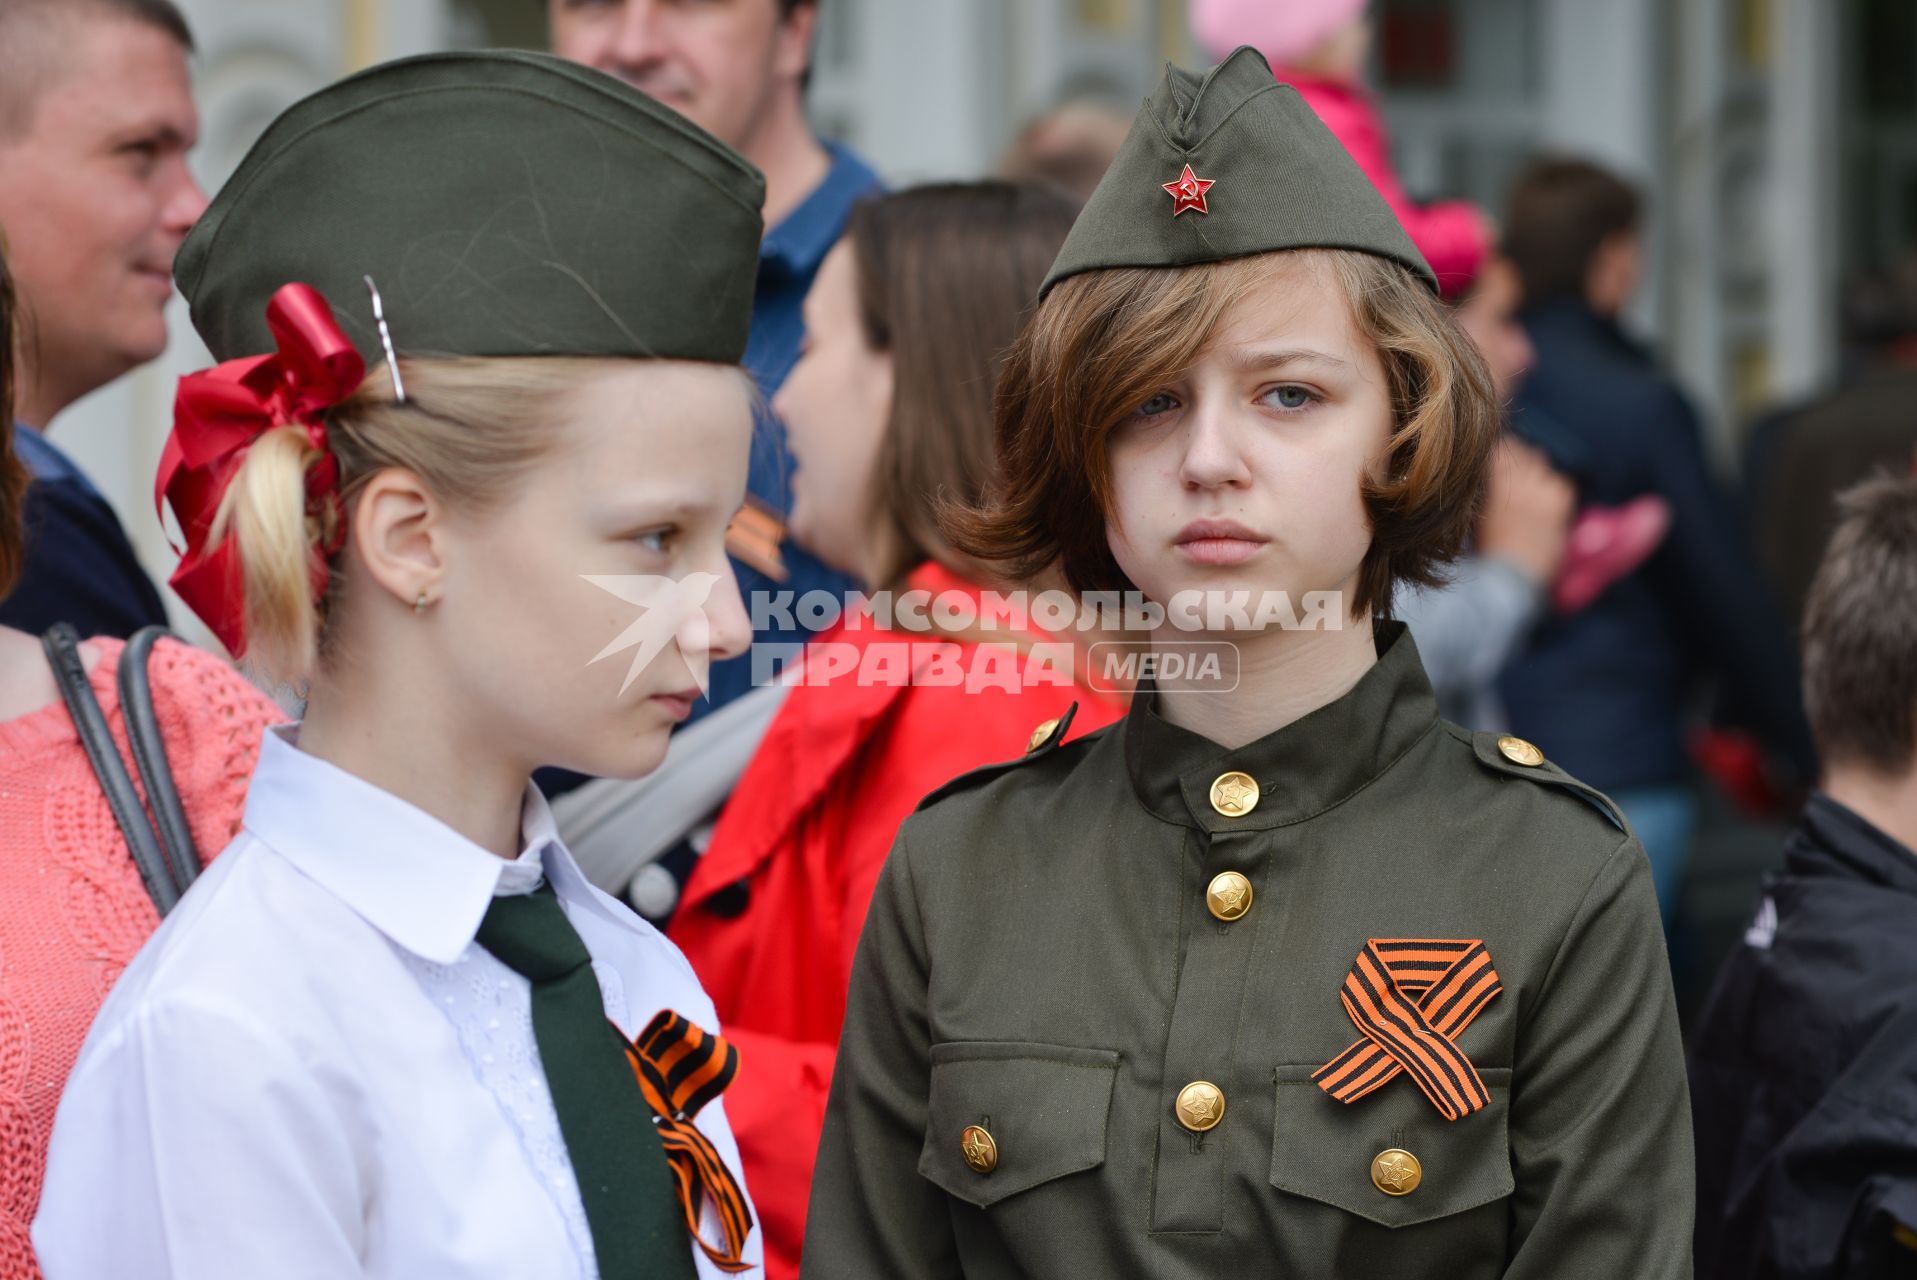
x=889, y=413
x=73, y=907
x=1282, y=976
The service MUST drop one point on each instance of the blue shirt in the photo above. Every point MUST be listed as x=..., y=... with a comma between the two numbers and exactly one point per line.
x=79, y=566
x=789, y=259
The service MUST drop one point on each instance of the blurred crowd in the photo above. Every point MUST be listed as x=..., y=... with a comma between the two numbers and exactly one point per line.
x=1729, y=654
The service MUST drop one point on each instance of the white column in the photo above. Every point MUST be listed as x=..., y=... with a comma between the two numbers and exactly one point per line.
x=1802, y=226
x=1601, y=79
x=915, y=93
x=1697, y=333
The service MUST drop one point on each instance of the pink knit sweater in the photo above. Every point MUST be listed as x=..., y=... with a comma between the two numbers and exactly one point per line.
x=72, y=907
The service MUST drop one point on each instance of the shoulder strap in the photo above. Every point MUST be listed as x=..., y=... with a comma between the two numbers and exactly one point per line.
x=62, y=647
x=1045, y=740
x=1503, y=753
x=149, y=756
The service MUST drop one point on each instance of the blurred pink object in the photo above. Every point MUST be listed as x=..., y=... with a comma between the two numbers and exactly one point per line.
x=1282, y=30
x=1606, y=544
x=1454, y=236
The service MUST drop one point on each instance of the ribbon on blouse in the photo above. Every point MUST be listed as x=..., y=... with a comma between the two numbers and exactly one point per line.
x=1411, y=997
x=220, y=413
x=680, y=1068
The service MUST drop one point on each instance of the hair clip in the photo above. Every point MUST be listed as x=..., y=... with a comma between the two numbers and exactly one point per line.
x=386, y=340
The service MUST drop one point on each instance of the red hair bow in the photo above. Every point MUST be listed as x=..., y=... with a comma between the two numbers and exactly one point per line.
x=219, y=414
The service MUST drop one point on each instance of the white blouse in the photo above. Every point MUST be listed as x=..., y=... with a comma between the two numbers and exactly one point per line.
x=311, y=1070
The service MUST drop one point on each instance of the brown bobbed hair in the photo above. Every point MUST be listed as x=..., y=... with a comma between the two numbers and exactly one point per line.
x=946, y=274
x=1860, y=683
x=1106, y=341
x=13, y=472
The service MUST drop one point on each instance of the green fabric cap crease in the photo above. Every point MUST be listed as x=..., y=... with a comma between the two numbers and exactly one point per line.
x=505, y=203
x=1279, y=179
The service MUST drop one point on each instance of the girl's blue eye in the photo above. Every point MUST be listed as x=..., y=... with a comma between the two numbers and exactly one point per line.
x=1290, y=397
x=657, y=541
x=1158, y=404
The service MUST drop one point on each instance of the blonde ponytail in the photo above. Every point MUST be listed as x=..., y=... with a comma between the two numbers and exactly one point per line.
x=265, y=509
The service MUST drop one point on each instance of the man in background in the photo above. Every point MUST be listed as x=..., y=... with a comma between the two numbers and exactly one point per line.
x=1069, y=148
x=1799, y=459
x=96, y=119
x=739, y=70
x=1804, y=1063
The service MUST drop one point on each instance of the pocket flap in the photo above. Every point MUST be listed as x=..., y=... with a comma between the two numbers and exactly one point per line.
x=1324, y=1149
x=1044, y=1105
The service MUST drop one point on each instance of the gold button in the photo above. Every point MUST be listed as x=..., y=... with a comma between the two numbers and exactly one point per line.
x=1229, y=896
x=1518, y=751
x=981, y=1153
x=1201, y=1105
x=1041, y=736
x=1234, y=794
x=1396, y=1173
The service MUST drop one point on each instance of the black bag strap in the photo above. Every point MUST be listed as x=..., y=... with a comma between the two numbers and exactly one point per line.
x=149, y=756
x=62, y=647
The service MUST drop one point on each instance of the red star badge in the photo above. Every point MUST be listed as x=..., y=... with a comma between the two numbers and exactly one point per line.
x=1189, y=192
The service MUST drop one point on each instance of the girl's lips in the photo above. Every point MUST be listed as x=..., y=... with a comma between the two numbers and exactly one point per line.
x=678, y=704
x=1218, y=542
x=1220, y=550
x=1200, y=529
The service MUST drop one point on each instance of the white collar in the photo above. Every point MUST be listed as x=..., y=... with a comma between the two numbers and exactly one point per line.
x=411, y=876
x=522, y=875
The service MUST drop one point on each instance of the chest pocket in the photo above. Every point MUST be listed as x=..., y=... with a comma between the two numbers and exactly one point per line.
x=1325, y=1150
x=1044, y=1108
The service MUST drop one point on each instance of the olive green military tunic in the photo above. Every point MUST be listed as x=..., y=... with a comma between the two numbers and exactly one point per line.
x=1095, y=987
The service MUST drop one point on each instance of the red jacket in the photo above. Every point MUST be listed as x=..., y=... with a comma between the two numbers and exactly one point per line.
x=1453, y=236
x=771, y=916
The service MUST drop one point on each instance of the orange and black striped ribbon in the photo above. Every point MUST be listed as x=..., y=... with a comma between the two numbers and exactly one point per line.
x=754, y=537
x=1411, y=997
x=681, y=1067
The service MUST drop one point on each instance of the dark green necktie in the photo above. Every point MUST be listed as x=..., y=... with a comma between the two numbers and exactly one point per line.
x=638, y=1227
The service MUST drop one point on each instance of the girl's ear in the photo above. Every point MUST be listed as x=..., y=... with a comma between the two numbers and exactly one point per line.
x=399, y=531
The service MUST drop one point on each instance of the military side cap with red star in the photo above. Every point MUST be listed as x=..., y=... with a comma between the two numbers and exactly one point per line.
x=505, y=203
x=1225, y=166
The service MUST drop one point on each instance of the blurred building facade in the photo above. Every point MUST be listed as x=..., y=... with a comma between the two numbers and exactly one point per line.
x=1776, y=139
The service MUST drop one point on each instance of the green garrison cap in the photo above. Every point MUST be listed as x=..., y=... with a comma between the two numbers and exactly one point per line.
x=504, y=203
x=1227, y=166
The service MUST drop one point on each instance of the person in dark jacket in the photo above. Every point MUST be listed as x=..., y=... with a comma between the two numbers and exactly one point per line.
x=1604, y=691
x=96, y=119
x=1801, y=457
x=1804, y=1065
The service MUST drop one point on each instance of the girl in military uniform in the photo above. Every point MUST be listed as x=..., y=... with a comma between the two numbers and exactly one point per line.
x=392, y=1032
x=1281, y=975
